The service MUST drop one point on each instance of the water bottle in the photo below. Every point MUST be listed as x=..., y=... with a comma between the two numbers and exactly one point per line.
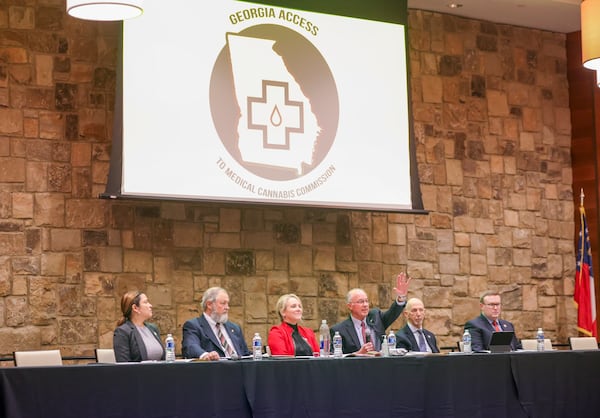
x=257, y=347
x=391, y=340
x=337, y=345
x=169, y=348
x=324, y=339
x=467, y=342
x=385, y=349
x=540, y=339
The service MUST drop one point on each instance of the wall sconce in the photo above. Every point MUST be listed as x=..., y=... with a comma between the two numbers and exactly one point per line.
x=590, y=36
x=104, y=10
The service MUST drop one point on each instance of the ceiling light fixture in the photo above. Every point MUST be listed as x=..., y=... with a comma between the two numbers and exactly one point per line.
x=590, y=36
x=454, y=5
x=104, y=10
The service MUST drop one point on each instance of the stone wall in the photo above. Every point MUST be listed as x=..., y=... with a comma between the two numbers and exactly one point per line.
x=492, y=128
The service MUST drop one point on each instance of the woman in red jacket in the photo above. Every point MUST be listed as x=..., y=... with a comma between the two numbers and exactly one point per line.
x=289, y=338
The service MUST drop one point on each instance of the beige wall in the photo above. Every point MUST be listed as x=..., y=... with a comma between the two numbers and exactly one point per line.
x=492, y=128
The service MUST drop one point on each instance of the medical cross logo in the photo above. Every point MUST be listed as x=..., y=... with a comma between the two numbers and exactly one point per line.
x=274, y=102
x=266, y=109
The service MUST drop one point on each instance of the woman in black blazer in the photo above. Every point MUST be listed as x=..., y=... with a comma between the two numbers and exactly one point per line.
x=134, y=339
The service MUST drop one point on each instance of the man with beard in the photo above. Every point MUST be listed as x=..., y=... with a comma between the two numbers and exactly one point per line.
x=211, y=335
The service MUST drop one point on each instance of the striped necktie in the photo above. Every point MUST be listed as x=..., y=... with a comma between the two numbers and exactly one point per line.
x=422, y=343
x=363, y=328
x=229, y=351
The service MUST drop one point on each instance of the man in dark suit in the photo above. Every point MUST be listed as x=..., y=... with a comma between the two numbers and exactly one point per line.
x=413, y=337
x=211, y=335
x=363, y=330
x=482, y=327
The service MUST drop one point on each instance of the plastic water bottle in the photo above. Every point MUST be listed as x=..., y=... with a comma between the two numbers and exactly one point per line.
x=385, y=349
x=391, y=340
x=467, y=342
x=540, y=339
x=257, y=347
x=324, y=339
x=337, y=345
x=169, y=348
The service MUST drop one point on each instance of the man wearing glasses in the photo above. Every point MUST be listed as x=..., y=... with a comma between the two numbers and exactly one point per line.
x=362, y=332
x=482, y=327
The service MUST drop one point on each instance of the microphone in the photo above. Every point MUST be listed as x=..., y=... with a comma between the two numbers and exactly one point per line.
x=367, y=335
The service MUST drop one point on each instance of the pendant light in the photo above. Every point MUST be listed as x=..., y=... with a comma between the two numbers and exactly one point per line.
x=104, y=10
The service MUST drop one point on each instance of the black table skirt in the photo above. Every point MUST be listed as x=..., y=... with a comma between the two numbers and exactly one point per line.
x=550, y=384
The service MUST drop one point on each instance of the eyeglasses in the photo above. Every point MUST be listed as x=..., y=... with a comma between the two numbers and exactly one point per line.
x=493, y=305
x=361, y=301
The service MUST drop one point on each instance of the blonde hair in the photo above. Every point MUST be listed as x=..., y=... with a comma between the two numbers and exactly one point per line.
x=282, y=302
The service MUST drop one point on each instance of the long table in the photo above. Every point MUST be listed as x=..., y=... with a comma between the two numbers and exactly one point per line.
x=525, y=384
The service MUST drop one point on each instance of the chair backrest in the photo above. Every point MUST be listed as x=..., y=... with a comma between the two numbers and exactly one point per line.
x=583, y=343
x=105, y=355
x=38, y=358
x=531, y=344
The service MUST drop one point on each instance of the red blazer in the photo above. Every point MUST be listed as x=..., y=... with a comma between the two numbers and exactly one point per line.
x=281, y=343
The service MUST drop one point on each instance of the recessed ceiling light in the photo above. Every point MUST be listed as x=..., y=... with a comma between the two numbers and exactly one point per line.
x=454, y=5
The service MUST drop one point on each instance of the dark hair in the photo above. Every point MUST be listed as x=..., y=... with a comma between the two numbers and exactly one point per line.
x=488, y=293
x=127, y=301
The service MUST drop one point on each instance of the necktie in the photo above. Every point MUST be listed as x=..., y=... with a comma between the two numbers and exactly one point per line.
x=363, y=328
x=422, y=343
x=496, y=326
x=226, y=347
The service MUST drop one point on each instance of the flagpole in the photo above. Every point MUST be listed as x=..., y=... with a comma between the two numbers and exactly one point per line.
x=581, y=196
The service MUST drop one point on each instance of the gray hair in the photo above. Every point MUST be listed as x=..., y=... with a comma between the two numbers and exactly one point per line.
x=211, y=295
x=411, y=302
x=352, y=292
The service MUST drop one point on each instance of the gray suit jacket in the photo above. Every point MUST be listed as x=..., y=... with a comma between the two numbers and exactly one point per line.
x=129, y=345
x=377, y=320
x=199, y=338
x=406, y=339
x=481, y=333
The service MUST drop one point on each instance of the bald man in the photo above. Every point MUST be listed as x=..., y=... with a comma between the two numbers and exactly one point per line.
x=413, y=337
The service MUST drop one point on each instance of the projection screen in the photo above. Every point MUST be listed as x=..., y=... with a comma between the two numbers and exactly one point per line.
x=254, y=102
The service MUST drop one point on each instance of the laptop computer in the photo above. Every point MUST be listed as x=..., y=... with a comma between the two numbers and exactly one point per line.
x=500, y=342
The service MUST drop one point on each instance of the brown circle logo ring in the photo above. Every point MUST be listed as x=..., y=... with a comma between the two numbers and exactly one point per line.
x=274, y=102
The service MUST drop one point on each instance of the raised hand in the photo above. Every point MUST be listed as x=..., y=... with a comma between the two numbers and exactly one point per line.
x=402, y=281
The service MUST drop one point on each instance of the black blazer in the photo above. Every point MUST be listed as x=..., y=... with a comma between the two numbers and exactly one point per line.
x=129, y=345
x=481, y=333
x=198, y=338
x=406, y=339
x=377, y=320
